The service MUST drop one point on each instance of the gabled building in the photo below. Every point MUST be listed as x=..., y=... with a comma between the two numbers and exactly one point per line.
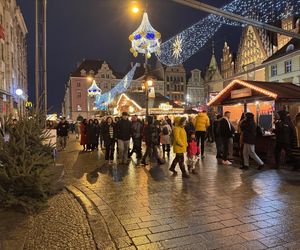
x=195, y=94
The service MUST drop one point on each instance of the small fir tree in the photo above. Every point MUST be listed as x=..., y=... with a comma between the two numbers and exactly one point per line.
x=24, y=162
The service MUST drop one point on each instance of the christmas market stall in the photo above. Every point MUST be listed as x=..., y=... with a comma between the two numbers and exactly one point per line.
x=135, y=103
x=262, y=99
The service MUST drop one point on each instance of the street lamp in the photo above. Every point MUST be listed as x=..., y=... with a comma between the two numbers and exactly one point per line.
x=19, y=93
x=147, y=84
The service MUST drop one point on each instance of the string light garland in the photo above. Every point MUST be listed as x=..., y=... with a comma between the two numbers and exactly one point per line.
x=102, y=101
x=185, y=44
x=245, y=84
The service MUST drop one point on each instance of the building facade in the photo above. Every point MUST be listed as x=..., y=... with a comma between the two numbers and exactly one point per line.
x=13, y=58
x=195, y=94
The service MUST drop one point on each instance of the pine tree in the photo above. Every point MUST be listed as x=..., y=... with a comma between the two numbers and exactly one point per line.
x=25, y=162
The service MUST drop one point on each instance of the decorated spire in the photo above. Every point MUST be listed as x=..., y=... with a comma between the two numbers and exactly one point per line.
x=145, y=40
x=94, y=90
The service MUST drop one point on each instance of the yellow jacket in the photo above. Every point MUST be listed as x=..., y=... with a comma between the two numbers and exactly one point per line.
x=180, y=138
x=201, y=122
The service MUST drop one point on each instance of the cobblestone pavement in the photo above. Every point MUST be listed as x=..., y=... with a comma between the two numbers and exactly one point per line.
x=63, y=225
x=220, y=208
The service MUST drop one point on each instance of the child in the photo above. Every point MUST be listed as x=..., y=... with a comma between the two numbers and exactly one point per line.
x=192, y=151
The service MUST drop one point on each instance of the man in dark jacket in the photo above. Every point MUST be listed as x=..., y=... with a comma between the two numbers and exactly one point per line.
x=217, y=136
x=136, y=129
x=189, y=127
x=226, y=133
x=62, y=133
x=123, y=128
x=285, y=133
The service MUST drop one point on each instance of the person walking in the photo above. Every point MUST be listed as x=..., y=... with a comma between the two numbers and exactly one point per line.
x=189, y=127
x=240, y=132
x=179, y=146
x=83, y=139
x=249, y=131
x=136, y=128
x=77, y=129
x=165, y=138
x=123, y=128
x=101, y=135
x=217, y=136
x=62, y=133
x=201, y=125
x=192, y=151
x=285, y=133
x=146, y=137
x=97, y=133
x=109, y=137
x=90, y=135
x=226, y=132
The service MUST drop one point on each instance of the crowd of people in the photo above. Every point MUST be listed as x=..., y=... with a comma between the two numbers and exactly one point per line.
x=186, y=136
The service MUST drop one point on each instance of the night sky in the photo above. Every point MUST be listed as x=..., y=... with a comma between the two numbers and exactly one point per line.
x=99, y=29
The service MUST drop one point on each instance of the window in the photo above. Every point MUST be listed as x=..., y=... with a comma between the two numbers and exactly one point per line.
x=181, y=79
x=168, y=79
x=274, y=70
x=102, y=76
x=182, y=88
x=107, y=75
x=168, y=87
x=288, y=66
x=78, y=84
x=78, y=93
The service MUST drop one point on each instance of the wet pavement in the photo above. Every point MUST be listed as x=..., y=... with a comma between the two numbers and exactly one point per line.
x=220, y=208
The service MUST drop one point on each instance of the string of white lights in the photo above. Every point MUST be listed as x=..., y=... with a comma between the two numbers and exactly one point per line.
x=181, y=47
x=102, y=101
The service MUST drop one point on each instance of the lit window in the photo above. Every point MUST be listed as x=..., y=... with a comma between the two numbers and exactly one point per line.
x=79, y=94
x=274, y=70
x=288, y=66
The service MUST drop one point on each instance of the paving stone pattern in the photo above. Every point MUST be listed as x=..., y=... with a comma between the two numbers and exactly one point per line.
x=63, y=225
x=220, y=208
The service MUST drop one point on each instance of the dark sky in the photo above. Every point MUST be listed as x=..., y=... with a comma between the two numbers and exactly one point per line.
x=99, y=29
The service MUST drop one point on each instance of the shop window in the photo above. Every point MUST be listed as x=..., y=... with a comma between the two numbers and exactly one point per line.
x=274, y=70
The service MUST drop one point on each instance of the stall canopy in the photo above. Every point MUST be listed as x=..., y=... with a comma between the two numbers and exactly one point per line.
x=249, y=91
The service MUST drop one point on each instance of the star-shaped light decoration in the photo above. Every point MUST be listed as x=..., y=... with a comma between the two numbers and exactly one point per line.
x=177, y=47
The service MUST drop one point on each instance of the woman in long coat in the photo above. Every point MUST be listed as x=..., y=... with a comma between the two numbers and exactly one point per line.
x=83, y=140
x=90, y=135
x=97, y=128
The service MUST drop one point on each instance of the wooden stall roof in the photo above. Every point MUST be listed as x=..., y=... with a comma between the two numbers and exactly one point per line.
x=272, y=90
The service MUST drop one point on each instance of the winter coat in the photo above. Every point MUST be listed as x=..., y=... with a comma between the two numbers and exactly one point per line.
x=180, y=138
x=284, y=132
x=136, y=129
x=105, y=130
x=91, y=134
x=226, y=131
x=166, y=139
x=202, y=122
x=123, y=129
x=248, y=130
x=189, y=127
x=83, y=139
x=62, y=129
x=97, y=130
x=298, y=133
x=192, y=149
x=216, y=128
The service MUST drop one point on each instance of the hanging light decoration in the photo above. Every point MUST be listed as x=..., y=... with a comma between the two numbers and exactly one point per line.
x=145, y=40
x=94, y=90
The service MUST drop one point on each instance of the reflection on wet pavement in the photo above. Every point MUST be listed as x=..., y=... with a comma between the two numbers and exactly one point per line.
x=221, y=207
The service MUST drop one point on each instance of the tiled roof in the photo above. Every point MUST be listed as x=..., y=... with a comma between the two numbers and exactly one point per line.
x=94, y=65
x=283, y=51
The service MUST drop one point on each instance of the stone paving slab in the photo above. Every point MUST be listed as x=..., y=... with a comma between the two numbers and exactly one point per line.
x=220, y=208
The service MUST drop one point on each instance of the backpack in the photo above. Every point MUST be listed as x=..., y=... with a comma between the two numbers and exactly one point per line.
x=165, y=131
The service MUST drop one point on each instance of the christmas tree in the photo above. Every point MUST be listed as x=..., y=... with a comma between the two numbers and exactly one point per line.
x=25, y=160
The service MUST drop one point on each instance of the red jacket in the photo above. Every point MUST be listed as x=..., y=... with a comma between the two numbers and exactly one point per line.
x=83, y=137
x=192, y=148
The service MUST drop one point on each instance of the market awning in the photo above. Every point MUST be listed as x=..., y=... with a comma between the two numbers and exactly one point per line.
x=240, y=90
